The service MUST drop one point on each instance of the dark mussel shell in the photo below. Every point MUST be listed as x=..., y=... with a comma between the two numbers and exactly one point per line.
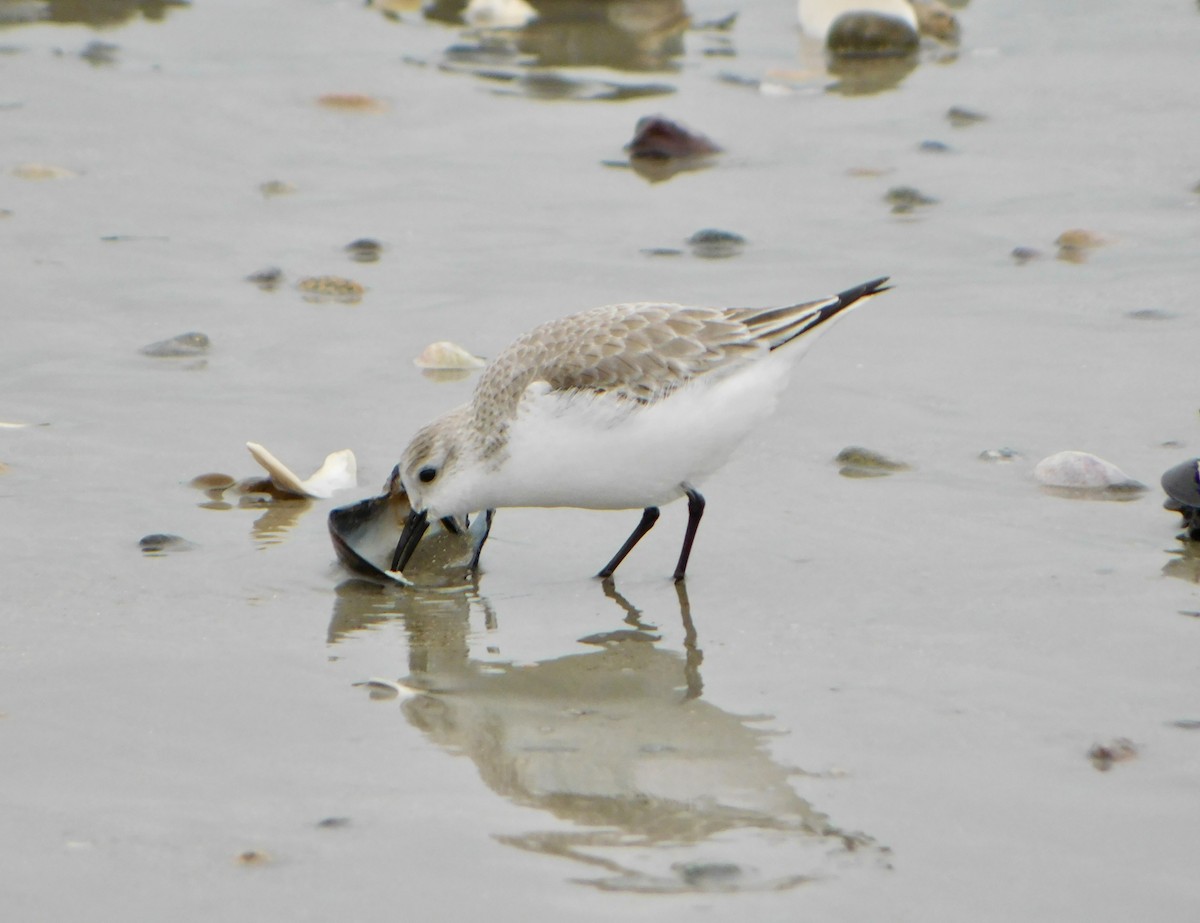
x=1182, y=487
x=365, y=534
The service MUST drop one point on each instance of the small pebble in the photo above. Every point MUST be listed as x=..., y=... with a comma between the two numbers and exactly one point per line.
x=1103, y=756
x=267, y=279
x=660, y=251
x=253, y=857
x=212, y=481
x=934, y=147
x=999, y=455
x=1186, y=724
x=333, y=823
x=658, y=138
x=710, y=876
x=364, y=250
x=275, y=187
x=100, y=54
x=184, y=345
x=1026, y=254
x=713, y=244
x=858, y=462
x=906, y=198
x=162, y=542
x=331, y=288
x=961, y=118
x=1151, y=314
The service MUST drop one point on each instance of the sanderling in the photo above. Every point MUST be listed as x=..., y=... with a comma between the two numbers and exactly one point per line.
x=626, y=406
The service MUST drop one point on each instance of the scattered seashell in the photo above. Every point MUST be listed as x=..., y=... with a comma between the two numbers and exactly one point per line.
x=936, y=20
x=1084, y=474
x=339, y=472
x=710, y=876
x=267, y=279
x=212, y=481
x=253, y=857
x=4, y=469
x=447, y=356
x=6, y=213
x=860, y=28
x=275, y=187
x=999, y=455
x=185, y=345
x=1026, y=254
x=1181, y=484
x=1080, y=239
x=713, y=244
x=905, y=198
x=961, y=118
x=100, y=54
x=364, y=250
x=1074, y=245
x=858, y=462
x=868, y=172
x=387, y=689
x=331, y=288
x=162, y=542
x=1121, y=750
x=351, y=102
x=620, y=636
x=42, y=171
x=499, y=14
x=1151, y=314
x=657, y=137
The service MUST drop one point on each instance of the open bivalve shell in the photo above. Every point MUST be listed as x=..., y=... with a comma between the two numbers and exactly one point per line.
x=365, y=535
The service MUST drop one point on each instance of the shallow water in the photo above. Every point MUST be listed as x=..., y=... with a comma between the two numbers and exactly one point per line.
x=878, y=696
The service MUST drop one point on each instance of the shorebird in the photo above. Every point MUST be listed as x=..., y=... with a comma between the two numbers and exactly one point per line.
x=626, y=406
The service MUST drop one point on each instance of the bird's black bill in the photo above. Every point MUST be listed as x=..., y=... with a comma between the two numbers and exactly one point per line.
x=414, y=527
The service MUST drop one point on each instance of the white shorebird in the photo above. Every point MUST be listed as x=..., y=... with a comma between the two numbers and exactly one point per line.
x=623, y=407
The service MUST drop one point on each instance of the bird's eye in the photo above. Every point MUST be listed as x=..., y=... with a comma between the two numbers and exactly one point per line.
x=427, y=474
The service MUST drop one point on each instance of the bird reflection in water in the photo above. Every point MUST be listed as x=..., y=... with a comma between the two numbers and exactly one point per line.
x=665, y=792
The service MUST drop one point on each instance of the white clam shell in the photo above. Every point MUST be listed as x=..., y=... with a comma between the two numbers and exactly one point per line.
x=448, y=356
x=339, y=472
x=1083, y=471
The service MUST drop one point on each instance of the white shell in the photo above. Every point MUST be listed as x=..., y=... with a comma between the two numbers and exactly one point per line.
x=1083, y=471
x=499, y=14
x=339, y=472
x=445, y=355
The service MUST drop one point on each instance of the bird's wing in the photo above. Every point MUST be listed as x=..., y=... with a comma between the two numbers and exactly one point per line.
x=642, y=352
x=637, y=352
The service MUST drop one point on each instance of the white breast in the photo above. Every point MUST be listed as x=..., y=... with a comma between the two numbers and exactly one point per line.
x=600, y=452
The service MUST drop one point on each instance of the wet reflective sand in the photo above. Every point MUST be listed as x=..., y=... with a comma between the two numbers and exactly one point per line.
x=880, y=697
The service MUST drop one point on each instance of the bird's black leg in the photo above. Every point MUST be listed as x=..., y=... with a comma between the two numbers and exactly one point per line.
x=649, y=518
x=695, y=511
x=489, y=515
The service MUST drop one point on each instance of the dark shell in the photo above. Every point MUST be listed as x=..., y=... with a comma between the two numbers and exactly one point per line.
x=869, y=35
x=365, y=534
x=1182, y=483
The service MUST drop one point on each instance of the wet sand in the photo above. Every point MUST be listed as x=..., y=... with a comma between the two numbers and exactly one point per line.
x=878, y=697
